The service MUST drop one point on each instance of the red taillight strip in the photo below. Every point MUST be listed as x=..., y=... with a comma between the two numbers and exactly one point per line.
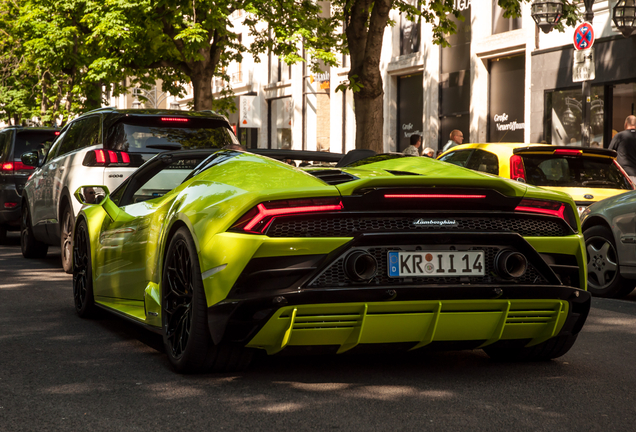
x=433, y=196
x=175, y=119
x=265, y=212
x=558, y=213
x=100, y=157
x=112, y=156
x=568, y=152
x=8, y=166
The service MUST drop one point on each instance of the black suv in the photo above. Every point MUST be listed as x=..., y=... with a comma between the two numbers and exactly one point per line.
x=14, y=141
x=103, y=147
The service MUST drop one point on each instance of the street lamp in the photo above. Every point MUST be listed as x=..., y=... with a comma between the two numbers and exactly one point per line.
x=624, y=16
x=547, y=13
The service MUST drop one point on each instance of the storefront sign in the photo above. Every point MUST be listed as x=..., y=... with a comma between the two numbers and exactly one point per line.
x=503, y=124
x=583, y=67
x=249, y=112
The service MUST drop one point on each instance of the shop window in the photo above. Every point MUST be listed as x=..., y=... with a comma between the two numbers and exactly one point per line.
x=410, y=32
x=563, y=115
x=281, y=111
x=410, y=109
x=506, y=101
x=501, y=24
x=623, y=100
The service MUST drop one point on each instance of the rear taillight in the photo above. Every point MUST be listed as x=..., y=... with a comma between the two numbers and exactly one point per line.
x=15, y=166
x=517, y=171
x=549, y=208
x=10, y=205
x=620, y=168
x=175, y=119
x=260, y=217
x=106, y=158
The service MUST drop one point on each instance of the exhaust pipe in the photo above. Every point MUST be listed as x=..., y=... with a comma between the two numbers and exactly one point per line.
x=510, y=264
x=360, y=266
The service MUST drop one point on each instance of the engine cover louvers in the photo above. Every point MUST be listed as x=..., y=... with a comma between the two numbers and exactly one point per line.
x=332, y=177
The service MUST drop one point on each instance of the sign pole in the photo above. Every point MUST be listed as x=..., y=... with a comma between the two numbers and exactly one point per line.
x=583, y=71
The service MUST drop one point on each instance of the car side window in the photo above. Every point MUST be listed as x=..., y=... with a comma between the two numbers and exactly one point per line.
x=459, y=157
x=3, y=146
x=54, y=148
x=484, y=161
x=82, y=133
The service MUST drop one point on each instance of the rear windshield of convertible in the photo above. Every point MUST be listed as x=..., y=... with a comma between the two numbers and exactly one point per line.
x=158, y=134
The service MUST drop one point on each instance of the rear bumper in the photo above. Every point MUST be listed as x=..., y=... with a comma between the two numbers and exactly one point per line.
x=10, y=216
x=410, y=317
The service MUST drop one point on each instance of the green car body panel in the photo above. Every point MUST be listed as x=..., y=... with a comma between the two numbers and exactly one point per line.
x=128, y=247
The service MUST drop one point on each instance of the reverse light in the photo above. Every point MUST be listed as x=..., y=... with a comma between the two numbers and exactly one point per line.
x=549, y=208
x=175, y=119
x=434, y=196
x=259, y=218
x=517, y=170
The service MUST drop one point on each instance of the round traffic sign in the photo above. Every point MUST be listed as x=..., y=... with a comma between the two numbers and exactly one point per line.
x=584, y=36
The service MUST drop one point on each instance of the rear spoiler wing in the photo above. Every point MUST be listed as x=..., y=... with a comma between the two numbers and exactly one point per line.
x=553, y=149
x=315, y=156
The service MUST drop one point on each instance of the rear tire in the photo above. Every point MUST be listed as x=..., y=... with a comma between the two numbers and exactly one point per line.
x=187, y=339
x=66, y=238
x=31, y=248
x=603, y=265
x=83, y=274
x=548, y=350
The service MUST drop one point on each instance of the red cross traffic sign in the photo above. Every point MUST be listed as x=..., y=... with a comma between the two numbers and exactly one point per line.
x=584, y=36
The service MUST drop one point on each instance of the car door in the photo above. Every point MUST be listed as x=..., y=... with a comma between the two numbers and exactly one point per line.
x=41, y=189
x=127, y=244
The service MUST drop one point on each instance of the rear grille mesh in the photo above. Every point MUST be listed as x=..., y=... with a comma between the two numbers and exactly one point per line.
x=347, y=226
x=334, y=275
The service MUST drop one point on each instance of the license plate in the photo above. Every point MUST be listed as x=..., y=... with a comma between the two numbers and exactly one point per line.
x=436, y=263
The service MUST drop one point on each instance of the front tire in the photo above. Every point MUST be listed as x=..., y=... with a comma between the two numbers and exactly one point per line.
x=66, y=238
x=31, y=248
x=603, y=271
x=548, y=350
x=83, y=274
x=187, y=339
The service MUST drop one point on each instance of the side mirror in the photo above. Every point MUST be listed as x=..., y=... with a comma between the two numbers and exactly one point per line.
x=89, y=195
x=31, y=158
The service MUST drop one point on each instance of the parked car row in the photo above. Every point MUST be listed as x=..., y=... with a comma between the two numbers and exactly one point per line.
x=166, y=221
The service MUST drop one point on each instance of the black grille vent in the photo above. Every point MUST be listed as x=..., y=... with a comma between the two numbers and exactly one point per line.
x=401, y=173
x=347, y=226
x=334, y=275
x=332, y=177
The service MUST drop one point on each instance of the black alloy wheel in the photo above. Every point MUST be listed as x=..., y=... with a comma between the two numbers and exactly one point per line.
x=66, y=238
x=603, y=272
x=31, y=248
x=187, y=339
x=83, y=273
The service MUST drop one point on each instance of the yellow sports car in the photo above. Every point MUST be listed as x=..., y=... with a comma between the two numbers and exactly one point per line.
x=587, y=174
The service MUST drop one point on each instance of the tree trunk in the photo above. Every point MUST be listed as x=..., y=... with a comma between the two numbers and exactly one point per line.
x=369, y=122
x=364, y=37
x=202, y=91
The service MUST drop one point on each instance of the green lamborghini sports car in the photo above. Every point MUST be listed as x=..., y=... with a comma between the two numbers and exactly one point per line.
x=226, y=252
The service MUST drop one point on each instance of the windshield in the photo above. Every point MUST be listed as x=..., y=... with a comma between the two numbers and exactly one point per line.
x=26, y=141
x=591, y=172
x=154, y=135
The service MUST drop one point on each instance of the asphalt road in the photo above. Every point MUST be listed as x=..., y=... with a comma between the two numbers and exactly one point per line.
x=59, y=372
